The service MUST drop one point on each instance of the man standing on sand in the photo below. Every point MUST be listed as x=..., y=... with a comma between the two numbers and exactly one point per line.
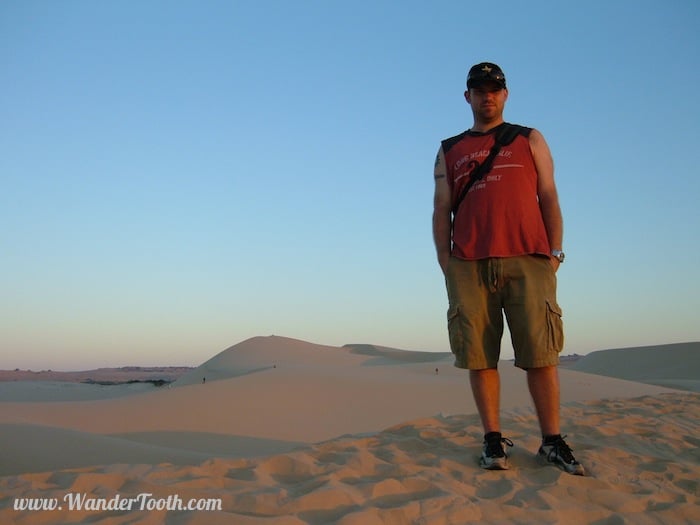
x=498, y=238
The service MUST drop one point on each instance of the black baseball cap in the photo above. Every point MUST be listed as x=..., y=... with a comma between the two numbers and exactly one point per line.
x=486, y=72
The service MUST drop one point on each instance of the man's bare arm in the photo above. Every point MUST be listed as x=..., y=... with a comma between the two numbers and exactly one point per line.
x=547, y=191
x=442, y=220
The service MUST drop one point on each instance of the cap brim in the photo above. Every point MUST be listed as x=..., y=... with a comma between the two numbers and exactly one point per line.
x=481, y=82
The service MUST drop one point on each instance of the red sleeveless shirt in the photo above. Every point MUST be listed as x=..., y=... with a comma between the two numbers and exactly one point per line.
x=500, y=215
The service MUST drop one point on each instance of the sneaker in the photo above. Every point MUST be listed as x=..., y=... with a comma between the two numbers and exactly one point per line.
x=560, y=454
x=493, y=457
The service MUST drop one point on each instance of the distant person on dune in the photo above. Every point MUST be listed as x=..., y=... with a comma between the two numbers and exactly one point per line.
x=498, y=233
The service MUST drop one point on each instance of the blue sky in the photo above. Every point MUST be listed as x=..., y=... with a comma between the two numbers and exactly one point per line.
x=178, y=176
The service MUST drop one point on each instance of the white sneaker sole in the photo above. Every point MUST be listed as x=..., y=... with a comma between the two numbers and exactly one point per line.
x=494, y=463
x=575, y=470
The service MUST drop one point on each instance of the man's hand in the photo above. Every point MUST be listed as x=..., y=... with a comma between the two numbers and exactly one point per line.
x=555, y=263
x=444, y=260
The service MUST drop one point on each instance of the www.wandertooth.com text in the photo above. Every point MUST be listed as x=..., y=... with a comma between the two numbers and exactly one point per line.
x=142, y=502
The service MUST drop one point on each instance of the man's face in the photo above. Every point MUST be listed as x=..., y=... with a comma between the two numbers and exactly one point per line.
x=487, y=100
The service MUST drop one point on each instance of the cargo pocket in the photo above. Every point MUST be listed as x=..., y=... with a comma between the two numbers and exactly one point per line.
x=455, y=329
x=555, y=327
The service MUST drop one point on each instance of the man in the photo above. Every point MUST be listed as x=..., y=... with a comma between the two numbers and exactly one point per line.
x=499, y=245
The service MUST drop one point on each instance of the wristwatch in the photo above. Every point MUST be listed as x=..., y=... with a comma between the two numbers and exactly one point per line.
x=559, y=255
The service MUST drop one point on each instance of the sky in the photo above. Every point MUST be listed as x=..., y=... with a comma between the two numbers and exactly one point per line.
x=178, y=176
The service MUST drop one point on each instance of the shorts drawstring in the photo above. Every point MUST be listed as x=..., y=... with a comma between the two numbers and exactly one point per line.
x=494, y=273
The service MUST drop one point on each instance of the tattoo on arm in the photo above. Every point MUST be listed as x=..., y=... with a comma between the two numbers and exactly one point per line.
x=439, y=171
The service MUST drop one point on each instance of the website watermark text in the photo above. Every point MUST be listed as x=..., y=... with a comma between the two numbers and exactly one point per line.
x=145, y=501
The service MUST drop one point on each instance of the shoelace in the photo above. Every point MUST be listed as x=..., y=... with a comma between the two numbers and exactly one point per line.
x=494, y=447
x=561, y=449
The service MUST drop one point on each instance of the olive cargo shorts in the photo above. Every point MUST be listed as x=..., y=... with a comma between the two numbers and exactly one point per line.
x=523, y=287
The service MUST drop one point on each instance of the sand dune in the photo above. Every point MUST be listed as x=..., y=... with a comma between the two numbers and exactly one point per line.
x=285, y=431
x=265, y=353
x=675, y=365
x=305, y=393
